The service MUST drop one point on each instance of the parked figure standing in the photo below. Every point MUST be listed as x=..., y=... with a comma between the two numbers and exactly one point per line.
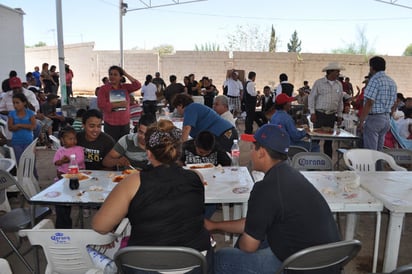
x=46, y=79
x=55, y=75
x=69, y=81
x=250, y=103
x=21, y=122
x=284, y=86
x=379, y=97
x=114, y=101
x=326, y=101
x=234, y=93
x=149, y=96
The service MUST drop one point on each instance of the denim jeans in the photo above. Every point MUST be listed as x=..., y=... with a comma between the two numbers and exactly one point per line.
x=233, y=260
x=374, y=131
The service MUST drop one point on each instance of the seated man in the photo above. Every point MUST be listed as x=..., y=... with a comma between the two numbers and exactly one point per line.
x=49, y=110
x=285, y=214
x=203, y=149
x=130, y=149
x=281, y=117
x=221, y=106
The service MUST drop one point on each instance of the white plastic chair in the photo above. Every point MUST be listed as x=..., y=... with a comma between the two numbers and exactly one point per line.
x=55, y=141
x=25, y=170
x=4, y=267
x=66, y=249
x=312, y=161
x=364, y=160
x=401, y=156
x=6, y=165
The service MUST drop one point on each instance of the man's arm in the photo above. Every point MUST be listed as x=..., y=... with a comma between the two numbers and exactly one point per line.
x=185, y=133
x=114, y=158
x=365, y=111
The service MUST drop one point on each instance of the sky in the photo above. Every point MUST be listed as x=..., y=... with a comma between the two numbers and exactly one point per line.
x=321, y=25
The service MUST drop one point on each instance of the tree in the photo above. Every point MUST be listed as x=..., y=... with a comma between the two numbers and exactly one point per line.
x=273, y=40
x=294, y=43
x=408, y=50
x=361, y=48
x=164, y=49
x=247, y=38
x=207, y=47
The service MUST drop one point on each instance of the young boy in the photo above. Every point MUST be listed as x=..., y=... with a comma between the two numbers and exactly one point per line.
x=203, y=149
x=78, y=124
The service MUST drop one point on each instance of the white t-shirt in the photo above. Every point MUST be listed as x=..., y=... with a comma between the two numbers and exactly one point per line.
x=149, y=92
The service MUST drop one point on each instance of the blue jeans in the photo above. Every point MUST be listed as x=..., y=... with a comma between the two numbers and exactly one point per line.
x=233, y=260
x=374, y=131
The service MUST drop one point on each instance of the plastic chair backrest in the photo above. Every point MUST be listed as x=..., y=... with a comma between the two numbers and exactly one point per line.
x=25, y=171
x=400, y=155
x=364, y=160
x=160, y=258
x=66, y=249
x=56, y=142
x=405, y=269
x=6, y=165
x=312, y=161
x=322, y=256
x=295, y=150
x=4, y=267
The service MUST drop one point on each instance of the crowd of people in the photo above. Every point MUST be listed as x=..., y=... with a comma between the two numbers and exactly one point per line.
x=164, y=201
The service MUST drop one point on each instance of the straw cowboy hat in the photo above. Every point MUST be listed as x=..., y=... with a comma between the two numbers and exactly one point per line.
x=333, y=66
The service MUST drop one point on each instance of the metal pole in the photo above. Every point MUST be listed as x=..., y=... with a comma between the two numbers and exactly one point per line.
x=60, y=47
x=121, y=9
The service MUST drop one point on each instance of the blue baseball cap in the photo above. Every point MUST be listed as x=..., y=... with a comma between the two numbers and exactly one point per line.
x=271, y=136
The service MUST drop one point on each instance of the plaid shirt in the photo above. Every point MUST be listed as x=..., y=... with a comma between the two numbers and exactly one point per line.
x=326, y=96
x=382, y=90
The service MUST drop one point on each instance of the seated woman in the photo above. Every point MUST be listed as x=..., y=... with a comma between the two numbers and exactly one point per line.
x=164, y=204
x=281, y=117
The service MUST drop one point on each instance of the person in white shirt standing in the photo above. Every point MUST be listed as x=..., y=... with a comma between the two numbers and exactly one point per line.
x=234, y=93
x=149, y=96
x=250, y=103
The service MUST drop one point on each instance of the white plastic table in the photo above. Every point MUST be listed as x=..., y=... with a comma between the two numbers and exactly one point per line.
x=394, y=189
x=338, y=201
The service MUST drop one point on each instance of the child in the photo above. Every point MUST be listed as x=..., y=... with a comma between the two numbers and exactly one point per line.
x=78, y=124
x=21, y=122
x=61, y=160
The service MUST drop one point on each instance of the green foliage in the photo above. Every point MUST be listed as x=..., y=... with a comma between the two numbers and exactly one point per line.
x=408, y=50
x=361, y=47
x=164, y=49
x=273, y=40
x=294, y=44
x=247, y=38
x=39, y=44
x=207, y=47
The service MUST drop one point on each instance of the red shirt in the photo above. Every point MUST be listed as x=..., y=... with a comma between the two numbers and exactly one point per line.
x=112, y=116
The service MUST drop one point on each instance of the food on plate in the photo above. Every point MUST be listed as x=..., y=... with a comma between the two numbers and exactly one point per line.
x=197, y=166
x=129, y=171
x=118, y=178
x=348, y=181
x=80, y=176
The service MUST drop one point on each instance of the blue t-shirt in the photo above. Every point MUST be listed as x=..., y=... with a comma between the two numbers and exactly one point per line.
x=22, y=136
x=202, y=118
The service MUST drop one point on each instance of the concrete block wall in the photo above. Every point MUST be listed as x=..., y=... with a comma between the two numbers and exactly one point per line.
x=90, y=66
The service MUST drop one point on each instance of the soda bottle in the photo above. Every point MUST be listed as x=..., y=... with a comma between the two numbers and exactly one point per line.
x=73, y=170
x=235, y=153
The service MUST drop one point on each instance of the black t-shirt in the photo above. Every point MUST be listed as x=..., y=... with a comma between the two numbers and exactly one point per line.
x=94, y=152
x=172, y=90
x=287, y=88
x=168, y=209
x=217, y=156
x=288, y=211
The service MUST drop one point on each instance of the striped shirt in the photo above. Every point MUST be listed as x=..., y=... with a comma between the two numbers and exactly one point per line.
x=382, y=90
x=326, y=96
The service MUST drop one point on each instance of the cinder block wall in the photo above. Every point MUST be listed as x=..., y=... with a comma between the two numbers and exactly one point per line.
x=90, y=66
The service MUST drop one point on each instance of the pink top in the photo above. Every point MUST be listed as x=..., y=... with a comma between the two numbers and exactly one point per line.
x=106, y=95
x=62, y=151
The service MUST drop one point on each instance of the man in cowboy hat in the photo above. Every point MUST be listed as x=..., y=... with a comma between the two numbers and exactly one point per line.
x=380, y=97
x=326, y=101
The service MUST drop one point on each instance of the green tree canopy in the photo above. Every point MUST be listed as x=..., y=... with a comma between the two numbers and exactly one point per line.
x=273, y=40
x=164, y=49
x=207, y=47
x=294, y=44
x=408, y=50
